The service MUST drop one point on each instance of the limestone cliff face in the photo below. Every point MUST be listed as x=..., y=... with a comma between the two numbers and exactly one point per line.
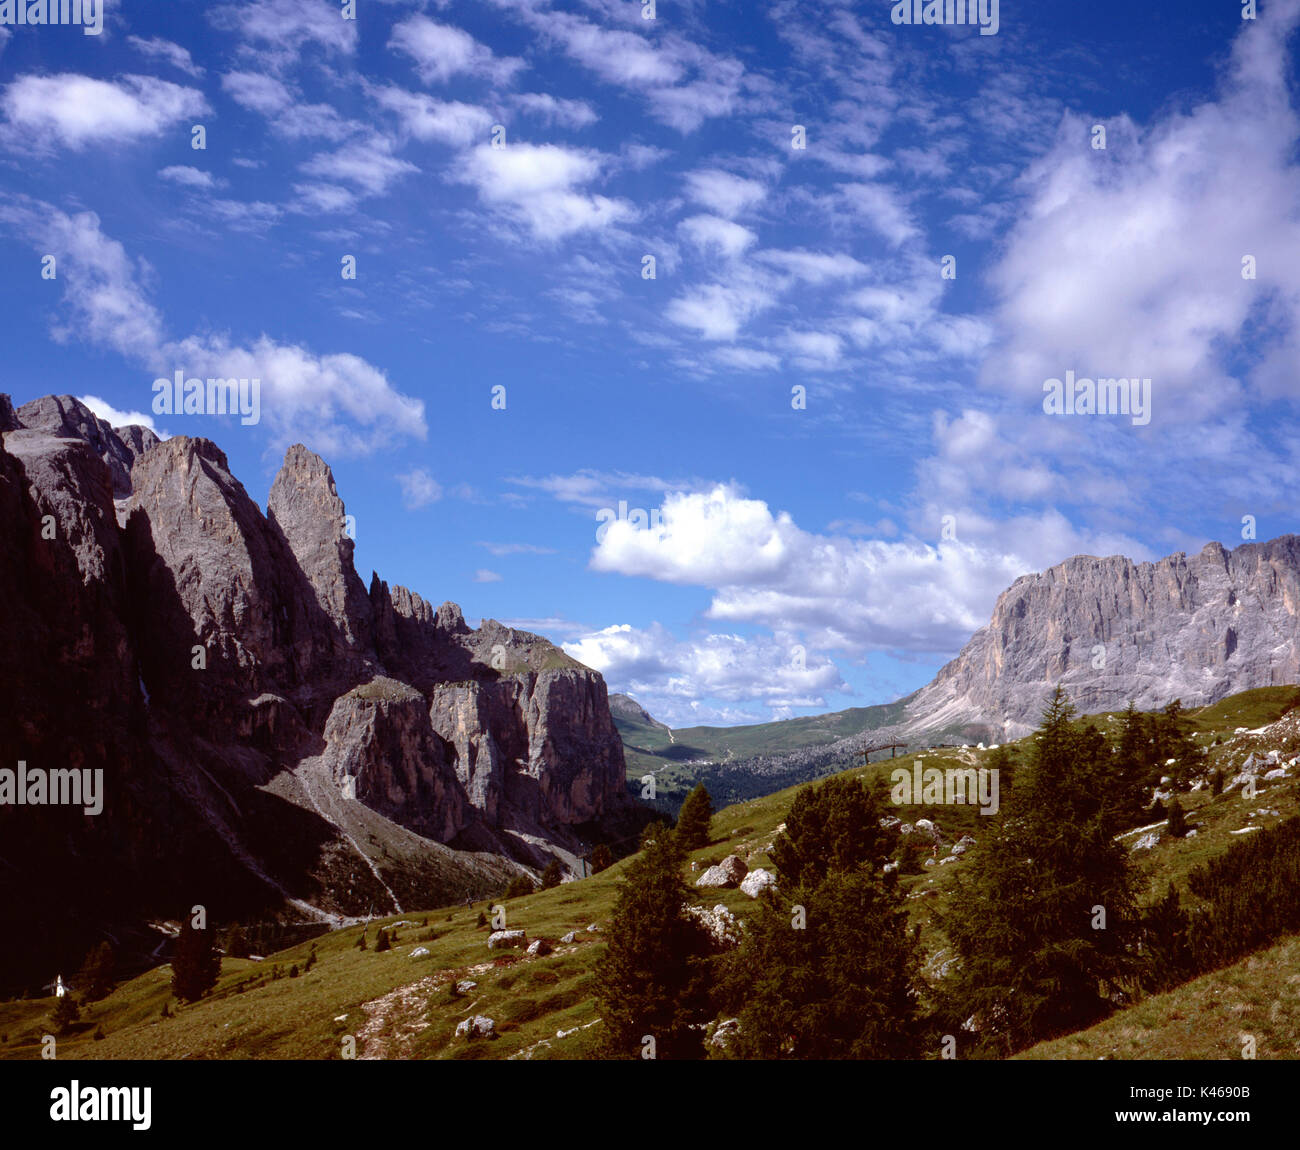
x=1109, y=630
x=262, y=720
x=305, y=505
x=63, y=417
x=379, y=736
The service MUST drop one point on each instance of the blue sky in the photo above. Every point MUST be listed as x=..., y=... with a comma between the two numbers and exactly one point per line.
x=809, y=552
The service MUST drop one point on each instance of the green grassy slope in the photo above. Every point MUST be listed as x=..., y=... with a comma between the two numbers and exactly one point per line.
x=396, y=1005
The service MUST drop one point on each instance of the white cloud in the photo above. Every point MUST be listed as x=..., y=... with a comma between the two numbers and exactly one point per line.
x=115, y=418
x=442, y=52
x=338, y=403
x=274, y=32
x=187, y=177
x=160, y=49
x=538, y=185
x=723, y=193
x=551, y=110
x=814, y=267
x=368, y=164
x=419, y=489
x=672, y=677
x=286, y=116
x=425, y=118
x=1145, y=242
x=845, y=594
x=713, y=233
x=719, y=310
x=483, y=575
x=78, y=110
x=882, y=208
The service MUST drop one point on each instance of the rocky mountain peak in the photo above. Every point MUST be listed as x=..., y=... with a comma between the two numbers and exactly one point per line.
x=304, y=504
x=66, y=417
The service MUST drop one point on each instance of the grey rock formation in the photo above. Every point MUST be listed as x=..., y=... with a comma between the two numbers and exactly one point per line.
x=625, y=707
x=305, y=505
x=271, y=733
x=1108, y=630
x=64, y=417
x=379, y=736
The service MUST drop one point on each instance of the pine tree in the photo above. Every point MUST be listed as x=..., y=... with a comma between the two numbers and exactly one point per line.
x=382, y=943
x=1176, y=743
x=553, y=875
x=653, y=980
x=65, y=1014
x=602, y=858
x=832, y=827
x=828, y=966
x=195, y=965
x=95, y=979
x=520, y=887
x=832, y=981
x=237, y=943
x=1043, y=917
x=694, y=818
x=1177, y=819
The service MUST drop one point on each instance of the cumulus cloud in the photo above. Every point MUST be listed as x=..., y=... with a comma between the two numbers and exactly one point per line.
x=723, y=193
x=78, y=111
x=369, y=165
x=671, y=676
x=1128, y=261
x=424, y=118
x=286, y=114
x=273, y=33
x=542, y=186
x=442, y=52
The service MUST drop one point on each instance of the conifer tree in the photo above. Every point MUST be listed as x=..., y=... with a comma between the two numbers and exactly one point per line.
x=382, y=943
x=195, y=965
x=601, y=858
x=95, y=979
x=553, y=875
x=827, y=967
x=694, y=819
x=1177, y=819
x=831, y=827
x=653, y=980
x=237, y=943
x=1043, y=918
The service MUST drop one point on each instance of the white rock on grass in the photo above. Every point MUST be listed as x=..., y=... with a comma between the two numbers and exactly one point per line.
x=758, y=881
x=419, y=952
x=1147, y=841
x=500, y=938
x=480, y=1026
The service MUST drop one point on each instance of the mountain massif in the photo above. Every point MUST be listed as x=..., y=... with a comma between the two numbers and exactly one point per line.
x=274, y=736
x=1197, y=628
